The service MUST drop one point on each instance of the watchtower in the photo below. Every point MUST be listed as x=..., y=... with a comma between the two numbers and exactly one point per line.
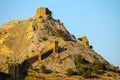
x=54, y=46
x=85, y=41
x=42, y=12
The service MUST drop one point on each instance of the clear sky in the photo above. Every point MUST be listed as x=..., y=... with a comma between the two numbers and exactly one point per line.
x=99, y=20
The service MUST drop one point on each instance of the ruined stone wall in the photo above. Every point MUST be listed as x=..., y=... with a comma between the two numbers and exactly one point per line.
x=13, y=70
x=53, y=51
x=54, y=46
x=41, y=12
x=85, y=41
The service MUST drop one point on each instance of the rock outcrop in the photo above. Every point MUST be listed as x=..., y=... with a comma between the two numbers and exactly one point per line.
x=22, y=39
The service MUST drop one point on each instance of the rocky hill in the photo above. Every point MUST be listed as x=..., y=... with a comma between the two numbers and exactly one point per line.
x=22, y=40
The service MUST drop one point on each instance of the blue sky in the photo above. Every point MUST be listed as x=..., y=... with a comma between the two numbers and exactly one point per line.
x=99, y=20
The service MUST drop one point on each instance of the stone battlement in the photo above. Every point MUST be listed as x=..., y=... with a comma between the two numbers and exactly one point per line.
x=42, y=12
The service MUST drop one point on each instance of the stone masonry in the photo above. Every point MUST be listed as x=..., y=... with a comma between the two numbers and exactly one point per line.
x=54, y=45
x=85, y=41
x=42, y=12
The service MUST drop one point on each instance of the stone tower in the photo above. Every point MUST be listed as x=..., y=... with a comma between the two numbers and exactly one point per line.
x=42, y=12
x=85, y=41
x=13, y=70
x=54, y=46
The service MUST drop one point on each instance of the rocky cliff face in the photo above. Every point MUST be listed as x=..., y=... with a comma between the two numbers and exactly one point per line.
x=22, y=39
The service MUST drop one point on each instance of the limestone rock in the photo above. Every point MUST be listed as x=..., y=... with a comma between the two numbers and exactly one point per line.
x=23, y=39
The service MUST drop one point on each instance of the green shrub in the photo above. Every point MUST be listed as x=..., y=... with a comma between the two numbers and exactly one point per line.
x=95, y=69
x=80, y=39
x=99, y=65
x=73, y=36
x=44, y=38
x=58, y=20
x=85, y=68
x=65, y=36
x=80, y=60
x=62, y=34
x=43, y=68
x=116, y=69
x=80, y=71
x=70, y=72
x=91, y=47
x=87, y=74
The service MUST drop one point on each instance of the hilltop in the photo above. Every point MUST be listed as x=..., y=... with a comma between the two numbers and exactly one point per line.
x=42, y=41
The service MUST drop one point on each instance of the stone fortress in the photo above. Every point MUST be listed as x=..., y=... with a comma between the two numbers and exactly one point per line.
x=15, y=70
x=19, y=71
x=43, y=12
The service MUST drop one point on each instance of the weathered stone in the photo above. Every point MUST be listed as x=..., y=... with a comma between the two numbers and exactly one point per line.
x=42, y=12
x=54, y=45
x=24, y=38
x=85, y=41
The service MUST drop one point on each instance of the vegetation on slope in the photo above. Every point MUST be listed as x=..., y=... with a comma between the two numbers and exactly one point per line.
x=87, y=70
